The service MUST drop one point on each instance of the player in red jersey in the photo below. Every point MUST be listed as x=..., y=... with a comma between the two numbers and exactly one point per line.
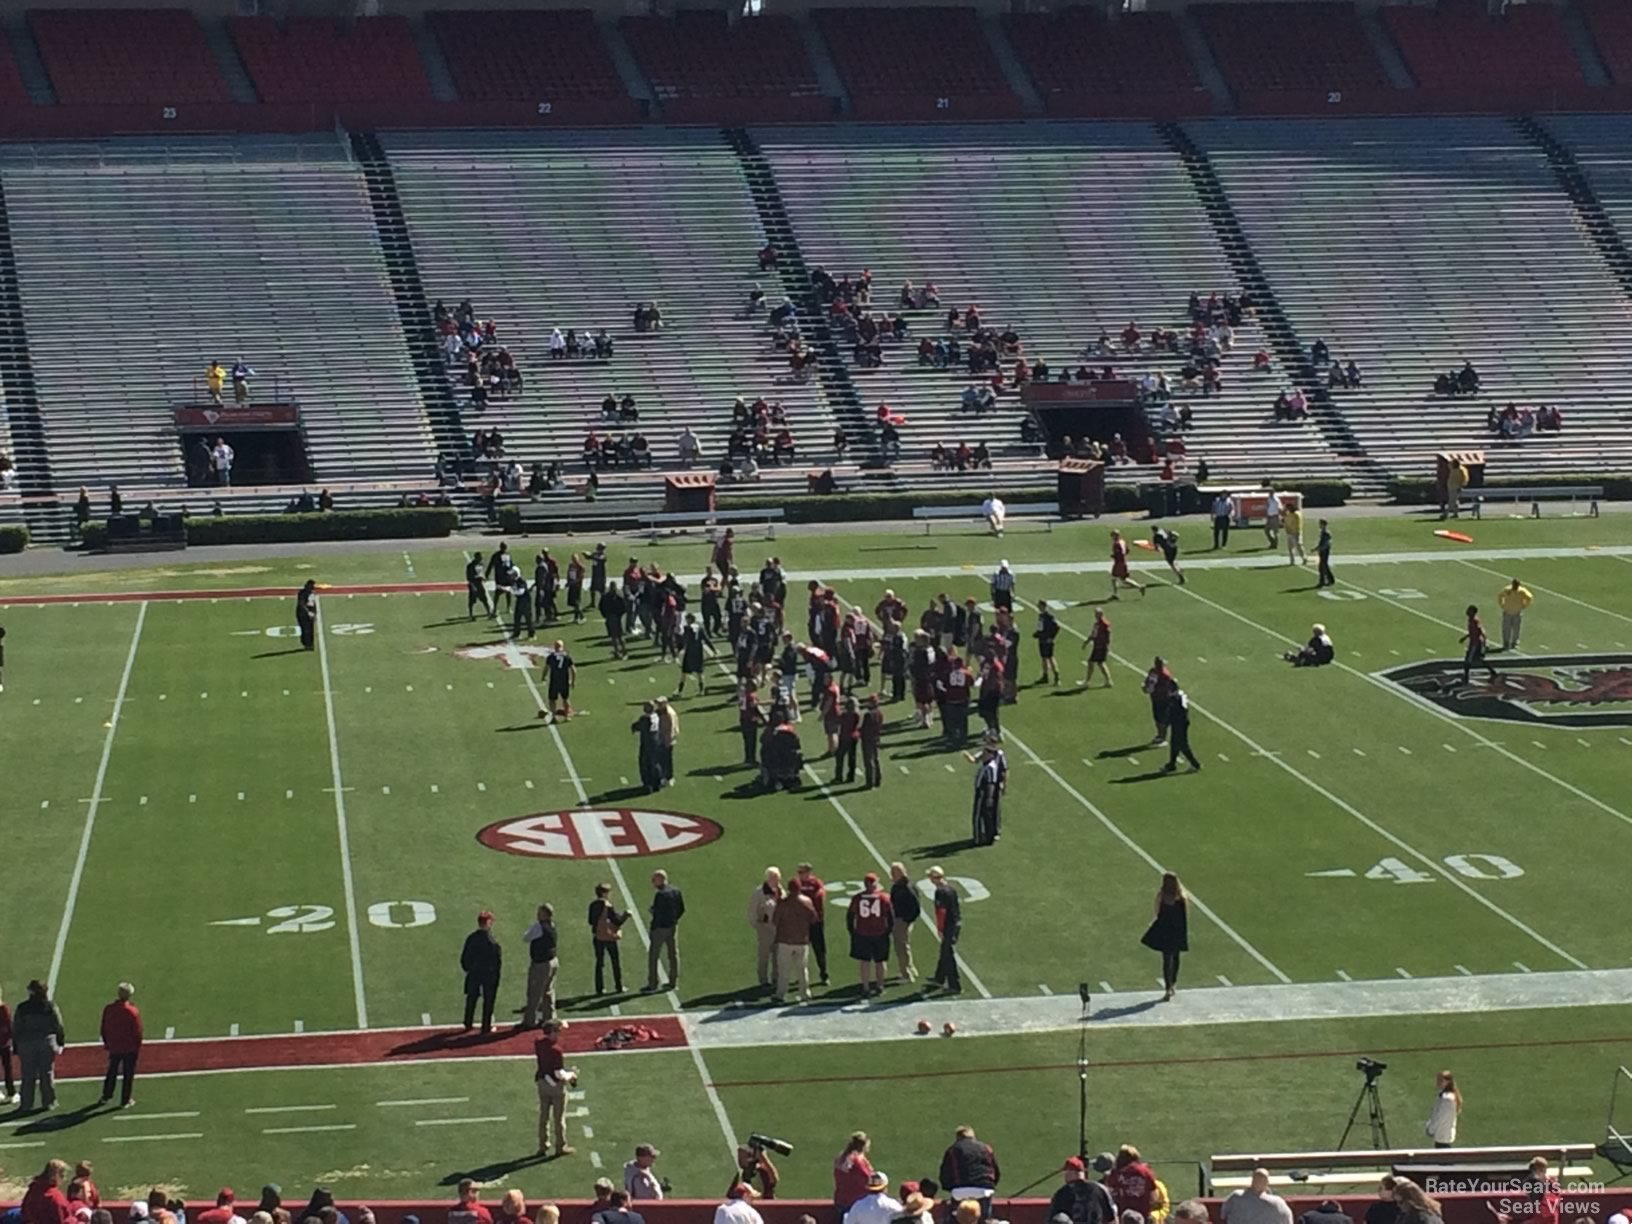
x=1099, y=648
x=1475, y=641
x=869, y=919
x=1131, y=1182
x=1119, y=566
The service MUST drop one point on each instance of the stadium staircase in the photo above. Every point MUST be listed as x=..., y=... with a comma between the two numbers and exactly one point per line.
x=793, y=273
x=418, y=328
x=572, y=229
x=1360, y=470
x=1594, y=221
x=1408, y=264
x=25, y=435
x=1051, y=228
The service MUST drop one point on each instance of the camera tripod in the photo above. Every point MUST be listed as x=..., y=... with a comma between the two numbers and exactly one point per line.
x=1373, y=1102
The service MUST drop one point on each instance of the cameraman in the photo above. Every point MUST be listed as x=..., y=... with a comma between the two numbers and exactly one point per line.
x=754, y=1164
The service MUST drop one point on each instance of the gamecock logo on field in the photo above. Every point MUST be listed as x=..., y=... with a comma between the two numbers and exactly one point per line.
x=1558, y=690
x=593, y=833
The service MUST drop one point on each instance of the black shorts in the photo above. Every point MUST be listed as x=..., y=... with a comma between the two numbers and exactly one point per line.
x=1045, y=649
x=559, y=691
x=870, y=949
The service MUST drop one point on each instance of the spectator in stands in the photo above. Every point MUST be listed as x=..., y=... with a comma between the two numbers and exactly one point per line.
x=558, y=344
x=1351, y=374
x=603, y=345
x=1118, y=450
x=1417, y=1208
x=574, y=348
x=841, y=443
x=609, y=409
x=1328, y=1212
x=1319, y=354
x=221, y=458
x=690, y=449
x=1255, y=1204
x=648, y=318
x=627, y=410
x=768, y=257
x=241, y=374
x=215, y=378
x=467, y=1209
x=889, y=441
x=640, y=451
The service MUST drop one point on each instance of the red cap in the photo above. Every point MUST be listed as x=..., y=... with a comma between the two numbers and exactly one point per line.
x=870, y=878
x=225, y=1196
x=1077, y=1163
x=485, y=918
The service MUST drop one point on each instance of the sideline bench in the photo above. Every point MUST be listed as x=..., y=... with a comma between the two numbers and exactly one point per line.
x=569, y=515
x=654, y=523
x=1047, y=511
x=1310, y=1172
x=1589, y=493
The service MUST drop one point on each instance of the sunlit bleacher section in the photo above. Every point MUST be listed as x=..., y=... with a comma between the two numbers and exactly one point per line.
x=317, y=59
x=572, y=231
x=1413, y=245
x=182, y=253
x=554, y=58
x=1084, y=64
x=1061, y=231
x=126, y=56
x=700, y=66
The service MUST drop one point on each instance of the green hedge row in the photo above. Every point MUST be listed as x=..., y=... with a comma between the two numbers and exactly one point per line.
x=393, y=523
x=1317, y=493
x=13, y=539
x=1420, y=491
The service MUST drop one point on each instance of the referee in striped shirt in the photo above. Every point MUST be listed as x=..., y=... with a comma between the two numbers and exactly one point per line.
x=1003, y=587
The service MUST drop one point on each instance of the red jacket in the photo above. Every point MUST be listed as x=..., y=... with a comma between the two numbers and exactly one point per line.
x=45, y=1203
x=5, y=1027
x=121, y=1027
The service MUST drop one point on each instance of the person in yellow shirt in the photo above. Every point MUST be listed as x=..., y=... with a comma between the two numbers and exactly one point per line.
x=1514, y=599
x=216, y=378
x=1292, y=527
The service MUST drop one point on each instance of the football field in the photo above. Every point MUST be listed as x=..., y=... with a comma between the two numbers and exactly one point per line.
x=277, y=845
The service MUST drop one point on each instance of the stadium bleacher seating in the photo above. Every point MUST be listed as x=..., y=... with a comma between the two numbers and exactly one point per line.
x=1610, y=23
x=917, y=63
x=315, y=59
x=184, y=252
x=1085, y=65
x=552, y=58
x=126, y=56
x=13, y=93
x=1060, y=230
x=572, y=230
x=1458, y=46
x=701, y=67
x=1305, y=49
x=1407, y=263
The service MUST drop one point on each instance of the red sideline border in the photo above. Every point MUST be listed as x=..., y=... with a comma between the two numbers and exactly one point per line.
x=373, y=588
x=277, y=1051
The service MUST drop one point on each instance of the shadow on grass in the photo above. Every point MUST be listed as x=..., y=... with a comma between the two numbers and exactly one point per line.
x=496, y=1170
x=1105, y=754
x=945, y=849
x=278, y=654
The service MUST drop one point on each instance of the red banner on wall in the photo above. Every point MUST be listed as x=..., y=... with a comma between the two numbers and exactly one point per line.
x=257, y=416
x=1110, y=390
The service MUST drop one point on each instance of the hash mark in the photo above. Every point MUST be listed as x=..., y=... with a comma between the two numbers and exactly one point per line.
x=1463, y=970
x=170, y=1033
x=1107, y=988
x=1224, y=981
x=481, y=786
x=435, y=790
x=385, y=790
x=1521, y=966
x=44, y=803
x=1359, y=752
x=1405, y=750
x=142, y=802
x=1448, y=747
x=1539, y=744
x=300, y=1027
x=903, y=769
x=1313, y=753
x=192, y=798
x=1224, y=758
x=288, y=794
x=1043, y=989
x=1585, y=743
x=595, y=1160
x=529, y=784
x=1402, y=973
x=232, y=1029
x=240, y=796
x=589, y=1132
x=1344, y=976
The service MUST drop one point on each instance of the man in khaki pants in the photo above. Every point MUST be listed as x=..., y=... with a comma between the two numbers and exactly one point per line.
x=542, y=966
x=792, y=919
x=905, y=904
x=553, y=1080
x=761, y=909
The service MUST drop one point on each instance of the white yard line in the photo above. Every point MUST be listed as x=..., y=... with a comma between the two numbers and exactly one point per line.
x=423, y=1101
x=1149, y=859
x=1400, y=843
x=460, y=1121
x=1422, y=703
x=519, y=661
x=77, y=876
x=309, y=1130
x=341, y=827
x=149, y=1138
x=274, y=1109
x=1536, y=586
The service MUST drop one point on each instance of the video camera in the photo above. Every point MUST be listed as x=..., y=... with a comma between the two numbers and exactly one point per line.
x=758, y=1142
x=1370, y=1068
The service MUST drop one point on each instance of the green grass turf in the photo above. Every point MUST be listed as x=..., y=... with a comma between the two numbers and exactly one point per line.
x=433, y=747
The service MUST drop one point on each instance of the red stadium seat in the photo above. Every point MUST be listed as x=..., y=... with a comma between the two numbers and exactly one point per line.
x=526, y=56
x=1611, y=24
x=1078, y=53
x=316, y=59
x=1459, y=46
x=917, y=58
x=126, y=57
x=1308, y=47
x=696, y=54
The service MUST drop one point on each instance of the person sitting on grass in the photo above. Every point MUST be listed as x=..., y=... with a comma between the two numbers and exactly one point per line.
x=1317, y=652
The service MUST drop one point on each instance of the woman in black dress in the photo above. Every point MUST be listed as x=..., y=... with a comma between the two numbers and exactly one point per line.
x=1169, y=932
x=306, y=613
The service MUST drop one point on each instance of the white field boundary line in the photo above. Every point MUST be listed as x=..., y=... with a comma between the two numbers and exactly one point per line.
x=1297, y=1003
x=1618, y=552
x=342, y=828
x=1343, y=805
x=77, y=877
x=924, y=914
x=518, y=661
x=1424, y=704
x=1556, y=594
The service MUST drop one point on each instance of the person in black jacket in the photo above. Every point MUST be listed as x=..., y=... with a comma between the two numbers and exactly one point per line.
x=668, y=907
x=542, y=966
x=904, y=902
x=1178, y=722
x=482, y=961
x=475, y=587
x=969, y=1170
x=614, y=607
x=1080, y=1199
x=306, y=614
x=949, y=921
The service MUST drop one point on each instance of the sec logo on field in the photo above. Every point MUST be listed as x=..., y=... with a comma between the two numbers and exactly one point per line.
x=594, y=833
